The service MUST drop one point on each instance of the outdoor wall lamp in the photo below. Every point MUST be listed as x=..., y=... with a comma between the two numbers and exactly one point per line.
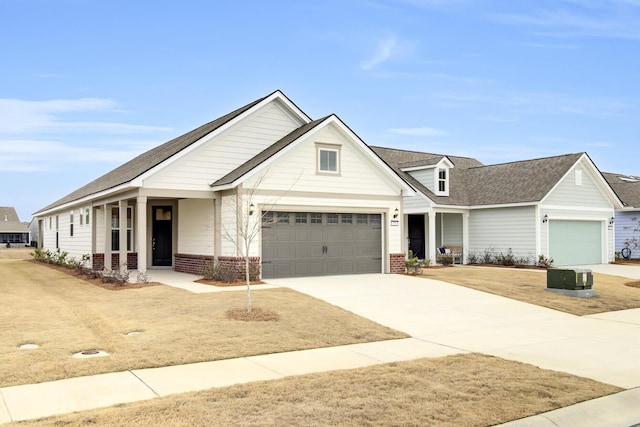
x=396, y=213
x=545, y=218
x=611, y=220
x=251, y=209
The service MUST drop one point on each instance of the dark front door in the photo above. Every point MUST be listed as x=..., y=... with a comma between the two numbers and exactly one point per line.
x=162, y=242
x=416, y=235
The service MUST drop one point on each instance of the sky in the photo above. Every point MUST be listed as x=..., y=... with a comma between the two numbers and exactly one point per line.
x=87, y=85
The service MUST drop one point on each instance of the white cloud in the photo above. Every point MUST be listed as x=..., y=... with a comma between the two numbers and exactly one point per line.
x=32, y=117
x=387, y=48
x=420, y=131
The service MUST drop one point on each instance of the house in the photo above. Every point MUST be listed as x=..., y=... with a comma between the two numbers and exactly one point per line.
x=319, y=199
x=626, y=219
x=12, y=231
x=560, y=207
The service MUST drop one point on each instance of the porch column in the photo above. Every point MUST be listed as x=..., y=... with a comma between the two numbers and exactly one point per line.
x=122, y=213
x=431, y=222
x=141, y=233
x=107, y=236
x=465, y=237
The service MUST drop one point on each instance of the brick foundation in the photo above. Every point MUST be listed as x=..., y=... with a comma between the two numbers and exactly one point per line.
x=193, y=264
x=396, y=263
x=97, y=261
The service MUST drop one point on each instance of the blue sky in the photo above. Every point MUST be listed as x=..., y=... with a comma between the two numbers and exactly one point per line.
x=87, y=85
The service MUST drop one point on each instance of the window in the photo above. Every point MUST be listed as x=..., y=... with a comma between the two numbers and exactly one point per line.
x=346, y=219
x=283, y=217
x=301, y=218
x=332, y=218
x=115, y=228
x=328, y=159
x=363, y=218
x=375, y=220
x=442, y=182
x=81, y=217
x=71, y=224
x=86, y=216
x=316, y=218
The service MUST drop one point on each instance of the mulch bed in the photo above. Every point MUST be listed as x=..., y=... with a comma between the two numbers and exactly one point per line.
x=228, y=284
x=97, y=281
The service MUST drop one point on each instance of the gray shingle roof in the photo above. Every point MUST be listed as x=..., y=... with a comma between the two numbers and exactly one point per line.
x=267, y=153
x=10, y=223
x=628, y=190
x=146, y=161
x=474, y=184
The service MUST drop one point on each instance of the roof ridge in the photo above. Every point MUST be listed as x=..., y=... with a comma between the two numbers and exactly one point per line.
x=528, y=160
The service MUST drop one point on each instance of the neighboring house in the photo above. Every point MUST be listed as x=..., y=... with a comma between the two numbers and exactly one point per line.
x=628, y=217
x=560, y=207
x=328, y=203
x=12, y=231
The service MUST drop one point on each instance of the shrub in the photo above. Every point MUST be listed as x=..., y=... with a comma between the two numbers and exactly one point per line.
x=220, y=272
x=413, y=265
x=507, y=259
x=487, y=256
x=472, y=258
x=543, y=261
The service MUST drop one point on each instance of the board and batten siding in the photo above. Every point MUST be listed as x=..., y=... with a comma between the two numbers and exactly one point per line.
x=216, y=157
x=501, y=229
x=296, y=170
x=196, y=227
x=626, y=223
x=586, y=195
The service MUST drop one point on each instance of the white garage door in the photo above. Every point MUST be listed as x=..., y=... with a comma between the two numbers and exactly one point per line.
x=314, y=244
x=575, y=242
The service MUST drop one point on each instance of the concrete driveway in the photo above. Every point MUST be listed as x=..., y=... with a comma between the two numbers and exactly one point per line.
x=630, y=271
x=604, y=347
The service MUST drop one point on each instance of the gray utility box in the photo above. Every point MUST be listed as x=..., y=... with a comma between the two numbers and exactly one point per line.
x=571, y=279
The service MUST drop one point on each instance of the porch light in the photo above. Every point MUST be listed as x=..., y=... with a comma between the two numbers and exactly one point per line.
x=251, y=209
x=545, y=218
x=396, y=213
x=611, y=220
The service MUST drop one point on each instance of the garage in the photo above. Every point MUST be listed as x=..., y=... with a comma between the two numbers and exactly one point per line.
x=298, y=244
x=575, y=242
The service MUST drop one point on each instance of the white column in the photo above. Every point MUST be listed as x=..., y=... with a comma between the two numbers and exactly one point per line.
x=465, y=236
x=107, y=236
x=431, y=222
x=141, y=233
x=122, y=210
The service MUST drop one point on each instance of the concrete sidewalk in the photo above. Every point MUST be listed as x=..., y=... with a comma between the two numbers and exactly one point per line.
x=32, y=401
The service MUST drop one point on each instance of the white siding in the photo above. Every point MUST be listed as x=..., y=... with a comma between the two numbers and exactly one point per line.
x=296, y=170
x=626, y=223
x=196, y=232
x=415, y=204
x=229, y=235
x=502, y=229
x=76, y=245
x=426, y=177
x=567, y=193
x=217, y=157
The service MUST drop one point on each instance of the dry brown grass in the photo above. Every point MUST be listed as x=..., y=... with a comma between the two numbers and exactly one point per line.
x=463, y=390
x=64, y=315
x=529, y=286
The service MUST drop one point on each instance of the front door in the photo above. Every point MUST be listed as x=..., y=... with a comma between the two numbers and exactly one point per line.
x=416, y=235
x=162, y=240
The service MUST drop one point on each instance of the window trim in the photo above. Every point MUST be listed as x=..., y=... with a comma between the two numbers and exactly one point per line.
x=334, y=148
x=439, y=180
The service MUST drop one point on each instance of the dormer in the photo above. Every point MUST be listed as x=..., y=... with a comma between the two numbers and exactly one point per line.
x=435, y=177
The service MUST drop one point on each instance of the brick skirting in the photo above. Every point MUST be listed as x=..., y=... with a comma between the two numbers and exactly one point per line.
x=396, y=263
x=97, y=261
x=193, y=264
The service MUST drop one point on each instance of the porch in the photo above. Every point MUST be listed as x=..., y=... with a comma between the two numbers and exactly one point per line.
x=428, y=232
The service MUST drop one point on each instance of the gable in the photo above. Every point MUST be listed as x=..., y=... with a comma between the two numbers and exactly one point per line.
x=296, y=169
x=222, y=153
x=581, y=186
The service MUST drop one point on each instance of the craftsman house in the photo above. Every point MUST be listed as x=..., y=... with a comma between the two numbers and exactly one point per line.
x=560, y=207
x=626, y=219
x=321, y=200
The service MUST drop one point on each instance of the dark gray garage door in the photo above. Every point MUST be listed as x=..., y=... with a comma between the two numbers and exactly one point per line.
x=314, y=244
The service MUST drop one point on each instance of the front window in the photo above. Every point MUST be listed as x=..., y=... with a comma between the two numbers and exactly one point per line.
x=115, y=228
